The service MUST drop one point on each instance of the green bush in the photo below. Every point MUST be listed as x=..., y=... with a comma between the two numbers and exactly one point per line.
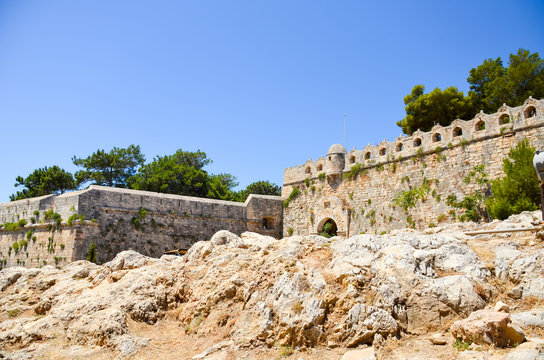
x=294, y=193
x=472, y=204
x=15, y=247
x=461, y=345
x=518, y=190
x=71, y=219
x=91, y=253
x=408, y=199
x=51, y=215
x=327, y=230
x=11, y=226
x=353, y=172
x=142, y=213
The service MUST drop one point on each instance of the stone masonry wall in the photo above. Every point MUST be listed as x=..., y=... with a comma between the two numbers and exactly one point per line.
x=444, y=156
x=45, y=246
x=121, y=219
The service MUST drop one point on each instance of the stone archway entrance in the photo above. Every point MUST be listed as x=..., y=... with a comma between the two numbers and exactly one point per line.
x=327, y=228
x=329, y=208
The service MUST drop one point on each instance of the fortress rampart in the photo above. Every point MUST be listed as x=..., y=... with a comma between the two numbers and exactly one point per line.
x=443, y=155
x=121, y=219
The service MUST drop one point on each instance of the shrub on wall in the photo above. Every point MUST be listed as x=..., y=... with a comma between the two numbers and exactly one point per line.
x=408, y=199
x=294, y=193
x=91, y=253
x=472, y=205
x=518, y=190
x=353, y=172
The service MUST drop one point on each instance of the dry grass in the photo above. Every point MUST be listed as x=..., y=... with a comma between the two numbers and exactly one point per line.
x=529, y=302
x=486, y=255
x=329, y=278
x=443, y=273
x=13, y=312
x=297, y=307
x=369, y=297
x=533, y=330
x=174, y=314
x=317, y=257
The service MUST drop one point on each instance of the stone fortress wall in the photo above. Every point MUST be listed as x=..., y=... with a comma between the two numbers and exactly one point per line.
x=444, y=156
x=121, y=219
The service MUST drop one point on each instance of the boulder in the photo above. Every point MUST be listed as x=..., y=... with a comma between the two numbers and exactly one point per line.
x=457, y=292
x=529, y=318
x=488, y=327
x=363, y=322
x=524, y=354
x=500, y=306
x=438, y=339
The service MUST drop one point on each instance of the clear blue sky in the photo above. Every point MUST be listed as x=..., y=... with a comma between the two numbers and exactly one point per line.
x=257, y=85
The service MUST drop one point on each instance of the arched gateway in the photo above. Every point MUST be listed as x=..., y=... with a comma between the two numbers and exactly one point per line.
x=327, y=227
x=330, y=216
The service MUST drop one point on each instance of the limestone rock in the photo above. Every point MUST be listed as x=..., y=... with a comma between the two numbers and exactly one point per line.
x=488, y=327
x=362, y=354
x=363, y=322
x=500, y=306
x=524, y=354
x=9, y=276
x=258, y=291
x=529, y=318
x=456, y=291
x=438, y=339
x=534, y=287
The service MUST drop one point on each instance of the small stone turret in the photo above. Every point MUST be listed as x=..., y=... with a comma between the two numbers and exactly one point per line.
x=336, y=160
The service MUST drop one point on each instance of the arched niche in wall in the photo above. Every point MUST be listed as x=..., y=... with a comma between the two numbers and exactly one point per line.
x=529, y=112
x=504, y=119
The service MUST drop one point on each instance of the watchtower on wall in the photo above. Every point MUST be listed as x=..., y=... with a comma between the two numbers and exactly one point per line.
x=336, y=160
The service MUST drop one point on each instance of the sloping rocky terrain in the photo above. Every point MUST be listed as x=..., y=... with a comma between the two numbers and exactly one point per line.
x=437, y=294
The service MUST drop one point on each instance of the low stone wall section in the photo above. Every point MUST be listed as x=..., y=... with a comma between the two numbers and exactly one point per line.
x=122, y=219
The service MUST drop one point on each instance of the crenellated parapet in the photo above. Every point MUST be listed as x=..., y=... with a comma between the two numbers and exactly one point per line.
x=504, y=122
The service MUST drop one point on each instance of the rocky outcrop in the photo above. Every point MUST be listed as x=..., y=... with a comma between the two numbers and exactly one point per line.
x=260, y=292
x=488, y=327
